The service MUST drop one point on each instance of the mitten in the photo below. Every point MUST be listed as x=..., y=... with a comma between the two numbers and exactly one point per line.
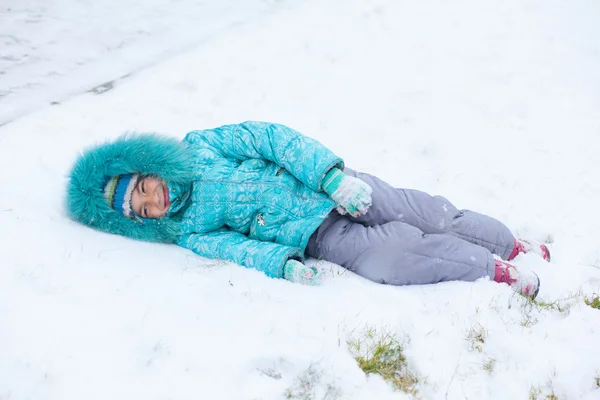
x=350, y=194
x=295, y=271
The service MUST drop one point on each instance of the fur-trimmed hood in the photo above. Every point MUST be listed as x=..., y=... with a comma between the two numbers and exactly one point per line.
x=147, y=154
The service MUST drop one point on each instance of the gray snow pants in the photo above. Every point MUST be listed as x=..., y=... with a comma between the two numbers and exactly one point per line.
x=409, y=237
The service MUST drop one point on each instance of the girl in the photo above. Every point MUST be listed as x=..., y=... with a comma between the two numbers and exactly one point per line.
x=263, y=196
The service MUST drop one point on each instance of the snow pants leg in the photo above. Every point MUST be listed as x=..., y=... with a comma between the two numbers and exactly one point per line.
x=410, y=237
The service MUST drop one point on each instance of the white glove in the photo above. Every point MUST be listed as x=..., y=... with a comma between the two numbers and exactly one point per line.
x=295, y=271
x=350, y=194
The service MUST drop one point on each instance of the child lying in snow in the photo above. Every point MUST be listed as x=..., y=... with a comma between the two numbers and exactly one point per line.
x=263, y=195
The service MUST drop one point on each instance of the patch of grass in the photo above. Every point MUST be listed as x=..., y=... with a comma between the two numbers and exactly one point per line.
x=562, y=305
x=489, y=365
x=531, y=309
x=383, y=354
x=550, y=305
x=309, y=385
x=551, y=396
x=477, y=336
x=534, y=392
x=528, y=313
x=593, y=301
x=528, y=320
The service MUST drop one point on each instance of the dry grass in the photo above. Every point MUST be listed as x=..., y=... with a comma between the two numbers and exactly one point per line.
x=531, y=309
x=383, y=354
x=489, y=365
x=477, y=336
x=309, y=385
x=536, y=393
x=593, y=301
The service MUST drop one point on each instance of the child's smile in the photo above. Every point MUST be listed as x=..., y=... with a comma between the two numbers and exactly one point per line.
x=150, y=198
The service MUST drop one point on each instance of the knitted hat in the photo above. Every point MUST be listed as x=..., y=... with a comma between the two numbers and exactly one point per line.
x=117, y=192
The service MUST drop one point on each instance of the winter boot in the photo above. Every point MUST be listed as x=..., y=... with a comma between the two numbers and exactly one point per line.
x=526, y=246
x=526, y=283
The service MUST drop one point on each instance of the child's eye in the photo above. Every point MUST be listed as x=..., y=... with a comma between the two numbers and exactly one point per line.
x=145, y=211
x=143, y=189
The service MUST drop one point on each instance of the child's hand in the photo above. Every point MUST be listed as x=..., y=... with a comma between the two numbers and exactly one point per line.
x=350, y=194
x=295, y=271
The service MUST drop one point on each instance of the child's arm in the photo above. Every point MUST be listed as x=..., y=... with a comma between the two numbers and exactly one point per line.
x=305, y=158
x=225, y=244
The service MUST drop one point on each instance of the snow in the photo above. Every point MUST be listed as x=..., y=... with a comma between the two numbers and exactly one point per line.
x=493, y=105
x=52, y=49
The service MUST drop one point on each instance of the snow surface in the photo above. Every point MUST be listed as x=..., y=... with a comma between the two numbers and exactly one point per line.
x=494, y=105
x=52, y=49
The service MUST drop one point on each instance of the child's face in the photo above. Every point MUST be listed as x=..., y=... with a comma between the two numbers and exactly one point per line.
x=150, y=198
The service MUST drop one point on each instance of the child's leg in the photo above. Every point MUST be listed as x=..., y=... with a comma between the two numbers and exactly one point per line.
x=398, y=254
x=433, y=215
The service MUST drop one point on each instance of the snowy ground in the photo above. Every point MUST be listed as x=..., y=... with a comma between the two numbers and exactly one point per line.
x=52, y=49
x=493, y=104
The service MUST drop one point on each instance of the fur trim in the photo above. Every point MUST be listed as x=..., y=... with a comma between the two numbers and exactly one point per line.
x=147, y=154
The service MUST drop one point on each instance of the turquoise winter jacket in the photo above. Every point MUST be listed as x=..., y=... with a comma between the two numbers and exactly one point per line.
x=256, y=196
x=248, y=193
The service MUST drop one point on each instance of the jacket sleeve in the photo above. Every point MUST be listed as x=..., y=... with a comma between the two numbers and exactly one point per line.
x=304, y=157
x=233, y=246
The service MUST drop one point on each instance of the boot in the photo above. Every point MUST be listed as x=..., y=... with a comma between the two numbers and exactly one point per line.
x=525, y=246
x=526, y=283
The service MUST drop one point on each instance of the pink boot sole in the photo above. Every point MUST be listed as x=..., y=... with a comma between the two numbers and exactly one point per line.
x=526, y=246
